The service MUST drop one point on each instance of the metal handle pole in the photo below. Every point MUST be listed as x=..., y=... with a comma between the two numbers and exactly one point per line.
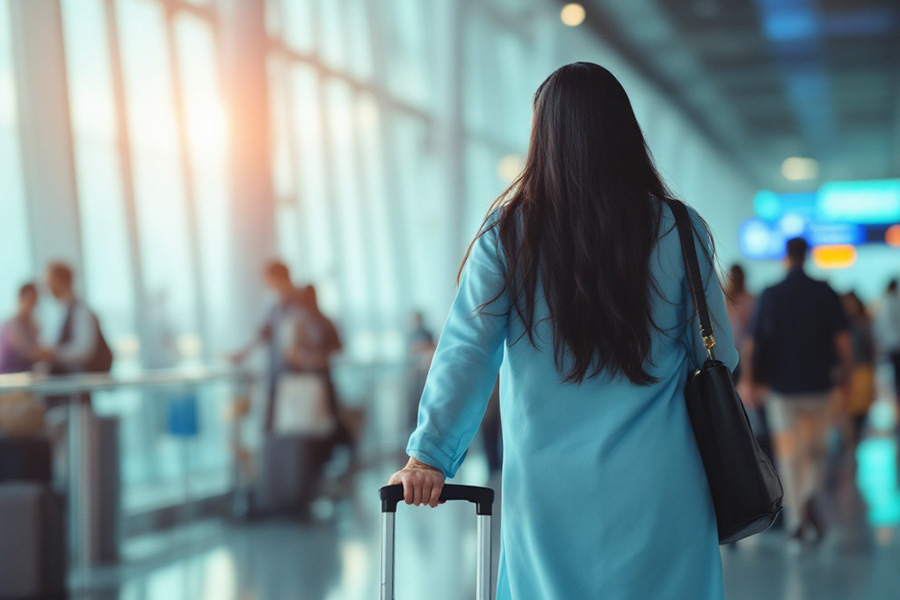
x=483, y=574
x=483, y=498
x=388, y=532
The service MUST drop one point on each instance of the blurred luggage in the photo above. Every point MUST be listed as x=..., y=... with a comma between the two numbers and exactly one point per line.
x=302, y=406
x=33, y=548
x=288, y=473
x=26, y=459
x=106, y=490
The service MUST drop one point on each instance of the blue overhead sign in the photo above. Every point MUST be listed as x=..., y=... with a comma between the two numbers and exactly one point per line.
x=839, y=213
x=865, y=202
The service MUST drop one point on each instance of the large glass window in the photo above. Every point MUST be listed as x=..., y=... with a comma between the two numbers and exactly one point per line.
x=309, y=164
x=382, y=258
x=356, y=281
x=408, y=28
x=16, y=262
x=104, y=235
x=157, y=163
x=294, y=21
x=206, y=143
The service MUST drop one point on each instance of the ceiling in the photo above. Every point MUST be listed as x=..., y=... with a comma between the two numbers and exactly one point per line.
x=771, y=79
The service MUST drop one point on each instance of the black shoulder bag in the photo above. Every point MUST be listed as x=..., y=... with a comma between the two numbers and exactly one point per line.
x=745, y=489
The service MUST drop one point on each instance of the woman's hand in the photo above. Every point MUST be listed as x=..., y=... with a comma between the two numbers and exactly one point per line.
x=422, y=483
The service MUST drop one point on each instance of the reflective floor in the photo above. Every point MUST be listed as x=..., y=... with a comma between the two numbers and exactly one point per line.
x=336, y=556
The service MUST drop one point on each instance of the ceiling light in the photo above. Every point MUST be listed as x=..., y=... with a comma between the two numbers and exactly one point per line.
x=572, y=14
x=796, y=168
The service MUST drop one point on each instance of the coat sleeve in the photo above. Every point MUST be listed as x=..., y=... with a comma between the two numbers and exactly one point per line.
x=715, y=298
x=466, y=361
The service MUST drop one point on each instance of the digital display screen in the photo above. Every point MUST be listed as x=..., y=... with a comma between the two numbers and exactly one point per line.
x=840, y=213
x=864, y=202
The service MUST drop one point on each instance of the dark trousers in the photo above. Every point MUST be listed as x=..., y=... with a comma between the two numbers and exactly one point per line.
x=491, y=432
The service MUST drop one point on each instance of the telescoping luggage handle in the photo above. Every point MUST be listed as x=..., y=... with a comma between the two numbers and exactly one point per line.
x=481, y=497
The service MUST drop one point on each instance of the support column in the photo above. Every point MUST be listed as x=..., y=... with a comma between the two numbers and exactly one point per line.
x=251, y=204
x=48, y=160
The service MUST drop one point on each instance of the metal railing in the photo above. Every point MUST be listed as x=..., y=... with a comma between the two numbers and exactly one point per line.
x=71, y=389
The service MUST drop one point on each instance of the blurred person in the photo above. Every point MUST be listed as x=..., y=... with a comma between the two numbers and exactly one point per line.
x=862, y=379
x=492, y=433
x=887, y=327
x=420, y=337
x=316, y=341
x=576, y=287
x=800, y=333
x=20, y=347
x=276, y=331
x=420, y=349
x=741, y=305
x=80, y=346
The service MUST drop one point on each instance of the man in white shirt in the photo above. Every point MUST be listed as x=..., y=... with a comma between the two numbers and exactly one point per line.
x=887, y=330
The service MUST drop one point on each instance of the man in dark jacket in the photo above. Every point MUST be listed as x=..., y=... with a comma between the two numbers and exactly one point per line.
x=799, y=336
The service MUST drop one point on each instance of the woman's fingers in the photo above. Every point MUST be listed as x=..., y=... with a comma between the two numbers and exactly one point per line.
x=436, y=493
x=420, y=486
x=417, y=491
x=408, y=487
x=427, y=485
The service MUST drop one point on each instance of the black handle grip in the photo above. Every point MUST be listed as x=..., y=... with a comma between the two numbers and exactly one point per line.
x=481, y=497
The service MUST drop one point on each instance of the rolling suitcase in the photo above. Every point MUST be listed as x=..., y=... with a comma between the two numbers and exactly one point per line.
x=33, y=549
x=482, y=498
x=290, y=468
x=26, y=459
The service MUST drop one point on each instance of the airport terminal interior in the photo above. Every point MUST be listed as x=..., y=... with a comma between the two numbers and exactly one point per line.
x=171, y=171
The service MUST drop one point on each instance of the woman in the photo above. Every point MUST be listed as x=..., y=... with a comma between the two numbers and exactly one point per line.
x=575, y=290
x=20, y=348
x=862, y=380
x=739, y=304
x=316, y=340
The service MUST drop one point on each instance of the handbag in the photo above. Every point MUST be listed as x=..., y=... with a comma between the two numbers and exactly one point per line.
x=745, y=489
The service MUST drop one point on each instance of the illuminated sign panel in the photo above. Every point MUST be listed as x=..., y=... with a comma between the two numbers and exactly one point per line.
x=829, y=234
x=834, y=257
x=865, y=202
x=761, y=240
x=839, y=215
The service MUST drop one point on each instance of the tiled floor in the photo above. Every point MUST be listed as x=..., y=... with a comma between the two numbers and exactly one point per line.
x=337, y=558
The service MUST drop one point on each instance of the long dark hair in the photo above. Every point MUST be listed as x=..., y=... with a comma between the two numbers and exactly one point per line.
x=582, y=219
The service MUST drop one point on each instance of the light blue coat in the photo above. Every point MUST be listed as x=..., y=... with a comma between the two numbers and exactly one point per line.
x=604, y=494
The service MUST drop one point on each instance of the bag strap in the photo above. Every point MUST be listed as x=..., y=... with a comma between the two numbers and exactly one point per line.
x=692, y=267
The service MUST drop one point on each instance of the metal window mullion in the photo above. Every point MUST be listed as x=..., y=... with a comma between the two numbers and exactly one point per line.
x=400, y=253
x=190, y=188
x=126, y=161
x=299, y=195
x=330, y=179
